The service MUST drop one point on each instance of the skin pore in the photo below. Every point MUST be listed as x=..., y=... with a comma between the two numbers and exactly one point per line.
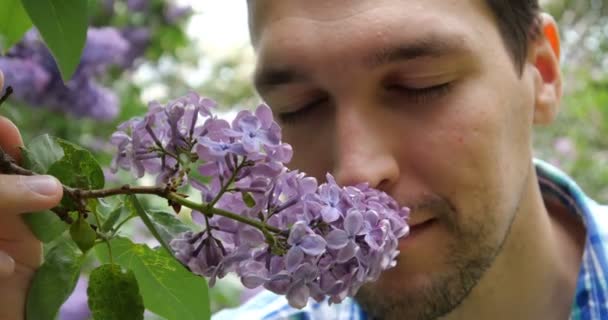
x=421, y=99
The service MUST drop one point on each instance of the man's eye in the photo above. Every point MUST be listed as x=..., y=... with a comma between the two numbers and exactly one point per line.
x=301, y=112
x=421, y=95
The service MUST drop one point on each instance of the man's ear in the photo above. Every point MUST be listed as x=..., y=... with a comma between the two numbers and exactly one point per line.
x=548, y=78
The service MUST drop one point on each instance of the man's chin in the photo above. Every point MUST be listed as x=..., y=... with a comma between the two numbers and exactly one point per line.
x=422, y=296
x=435, y=272
x=394, y=283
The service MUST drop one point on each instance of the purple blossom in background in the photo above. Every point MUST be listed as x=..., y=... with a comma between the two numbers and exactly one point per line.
x=138, y=5
x=104, y=47
x=173, y=13
x=139, y=40
x=26, y=77
x=76, y=307
x=328, y=240
x=33, y=73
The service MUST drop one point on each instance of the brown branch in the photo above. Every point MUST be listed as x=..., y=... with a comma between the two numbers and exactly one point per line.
x=7, y=93
x=8, y=165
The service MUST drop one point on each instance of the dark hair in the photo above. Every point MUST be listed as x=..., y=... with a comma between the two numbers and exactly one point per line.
x=518, y=23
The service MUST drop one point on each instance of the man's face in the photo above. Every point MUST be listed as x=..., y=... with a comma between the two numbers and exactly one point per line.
x=419, y=98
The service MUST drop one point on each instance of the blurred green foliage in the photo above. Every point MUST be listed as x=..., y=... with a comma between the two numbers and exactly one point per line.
x=577, y=141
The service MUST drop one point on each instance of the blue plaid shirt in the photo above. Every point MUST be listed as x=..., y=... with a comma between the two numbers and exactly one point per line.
x=590, y=302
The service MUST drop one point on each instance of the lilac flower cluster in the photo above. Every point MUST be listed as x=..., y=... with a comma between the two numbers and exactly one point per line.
x=339, y=239
x=309, y=240
x=162, y=141
x=32, y=72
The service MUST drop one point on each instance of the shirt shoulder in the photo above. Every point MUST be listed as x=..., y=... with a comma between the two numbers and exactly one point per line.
x=591, y=297
x=269, y=306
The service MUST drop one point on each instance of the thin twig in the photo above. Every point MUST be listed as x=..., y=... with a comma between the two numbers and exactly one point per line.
x=7, y=93
x=8, y=165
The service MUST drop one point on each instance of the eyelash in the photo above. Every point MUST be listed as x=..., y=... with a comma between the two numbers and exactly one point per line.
x=422, y=95
x=417, y=95
x=301, y=112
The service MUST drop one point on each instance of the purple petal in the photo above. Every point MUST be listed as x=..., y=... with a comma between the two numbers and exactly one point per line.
x=251, y=236
x=330, y=285
x=308, y=185
x=353, y=222
x=264, y=113
x=252, y=281
x=277, y=264
x=313, y=245
x=294, y=257
x=330, y=214
x=375, y=238
x=209, y=169
x=239, y=256
x=298, y=295
x=337, y=239
x=250, y=124
x=330, y=179
x=306, y=272
x=298, y=231
x=347, y=252
x=371, y=218
x=278, y=284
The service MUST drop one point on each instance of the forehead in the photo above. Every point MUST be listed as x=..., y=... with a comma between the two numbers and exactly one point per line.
x=264, y=14
x=344, y=28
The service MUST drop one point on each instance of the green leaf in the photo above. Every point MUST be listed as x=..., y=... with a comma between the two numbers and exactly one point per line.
x=72, y=165
x=63, y=26
x=83, y=235
x=38, y=156
x=54, y=281
x=41, y=153
x=14, y=22
x=167, y=225
x=112, y=219
x=248, y=199
x=78, y=168
x=46, y=226
x=114, y=294
x=134, y=206
x=168, y=289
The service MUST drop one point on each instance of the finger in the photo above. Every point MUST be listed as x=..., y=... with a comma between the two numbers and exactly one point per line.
x=1, y=81
x=7, y=265
x=10, y=139
x=20, y=194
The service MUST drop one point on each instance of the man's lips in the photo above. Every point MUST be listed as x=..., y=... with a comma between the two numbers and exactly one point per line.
x=421, y=225
x=417, y=230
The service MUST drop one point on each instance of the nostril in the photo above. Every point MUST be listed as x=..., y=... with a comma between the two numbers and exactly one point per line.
x=384, y=185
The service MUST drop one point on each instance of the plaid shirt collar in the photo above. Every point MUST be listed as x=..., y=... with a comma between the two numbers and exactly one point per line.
x=591, y=298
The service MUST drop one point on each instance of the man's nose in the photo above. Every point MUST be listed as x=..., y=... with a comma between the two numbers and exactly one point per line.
x=363, y=149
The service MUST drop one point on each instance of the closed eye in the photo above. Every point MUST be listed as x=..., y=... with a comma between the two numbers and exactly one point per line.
x=421, y=95
x=301, y=112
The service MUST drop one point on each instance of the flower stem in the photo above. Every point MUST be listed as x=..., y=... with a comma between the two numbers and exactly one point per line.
x=7, y=93
x=202, y=207
x=8, y=165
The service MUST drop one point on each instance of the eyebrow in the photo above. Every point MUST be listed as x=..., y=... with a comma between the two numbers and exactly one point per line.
x=429, y=46
x=432, y=45
x=276, y=76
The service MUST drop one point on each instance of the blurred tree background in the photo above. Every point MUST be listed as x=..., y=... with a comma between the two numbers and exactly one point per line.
x=138, y=50
x=578, y=141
